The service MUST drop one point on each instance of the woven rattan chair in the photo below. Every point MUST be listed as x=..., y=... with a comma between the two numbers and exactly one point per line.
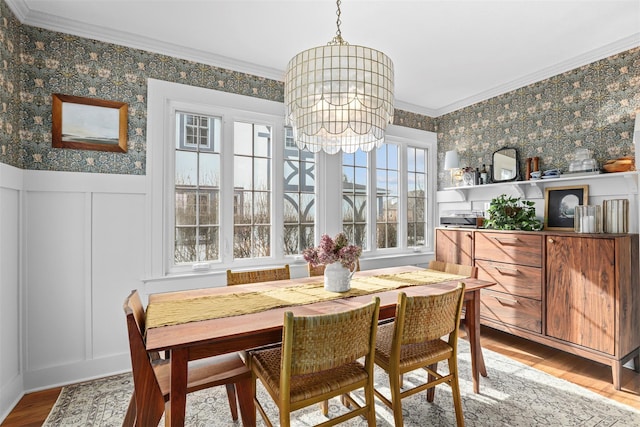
x=256, y=276
x=318, y=270
x=318, y=360
x=462, y=270
x=414, y=340
x=152, y=380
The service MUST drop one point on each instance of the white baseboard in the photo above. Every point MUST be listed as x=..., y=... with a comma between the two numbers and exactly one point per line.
x=10, y=394
x=58, y=376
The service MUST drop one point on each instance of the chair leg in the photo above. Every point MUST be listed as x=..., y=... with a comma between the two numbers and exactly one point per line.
x=396, y=403
x=371, y=405
x=130, y=416
x=325, y=407
x=233, y=402
x=431, y=392
x=246, y=391
x=455, y=392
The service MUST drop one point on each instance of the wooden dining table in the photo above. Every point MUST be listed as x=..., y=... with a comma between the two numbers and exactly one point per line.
x=204, y=338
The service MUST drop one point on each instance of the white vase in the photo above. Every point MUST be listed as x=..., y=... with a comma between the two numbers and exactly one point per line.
x=337, y=278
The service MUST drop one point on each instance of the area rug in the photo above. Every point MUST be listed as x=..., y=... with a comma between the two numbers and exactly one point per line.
x=512, y=395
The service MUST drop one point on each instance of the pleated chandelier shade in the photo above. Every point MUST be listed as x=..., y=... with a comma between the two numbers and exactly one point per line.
x=339, y=97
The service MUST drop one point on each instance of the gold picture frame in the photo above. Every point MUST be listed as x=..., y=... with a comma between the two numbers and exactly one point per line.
x=559, y=206
x=88, y=123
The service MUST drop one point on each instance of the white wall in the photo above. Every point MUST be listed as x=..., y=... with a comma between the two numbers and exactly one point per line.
x=11, y=378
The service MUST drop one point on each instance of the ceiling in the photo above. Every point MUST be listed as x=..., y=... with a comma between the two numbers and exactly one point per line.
x=446, y=54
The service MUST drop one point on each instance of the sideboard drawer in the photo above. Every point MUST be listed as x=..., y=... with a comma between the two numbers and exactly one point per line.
x=511, y=248
x=511, y=310
x=514, y=279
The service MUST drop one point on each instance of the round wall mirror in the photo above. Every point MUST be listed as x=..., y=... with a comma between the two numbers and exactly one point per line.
x=506, y=165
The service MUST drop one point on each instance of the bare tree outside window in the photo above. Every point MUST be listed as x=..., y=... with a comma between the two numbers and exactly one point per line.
x=387, y=196
x=416, y=196
x=197, y=188
x=252, y=181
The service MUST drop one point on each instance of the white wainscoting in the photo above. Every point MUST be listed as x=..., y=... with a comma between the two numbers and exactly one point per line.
x=11, y=379
x=83, y=253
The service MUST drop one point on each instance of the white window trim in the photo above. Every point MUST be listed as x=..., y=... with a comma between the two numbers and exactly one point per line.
x=404, y=137
x=163, y=100
x=166, y=97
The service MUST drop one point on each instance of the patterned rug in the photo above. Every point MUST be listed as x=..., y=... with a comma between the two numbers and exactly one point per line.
x=512, y=395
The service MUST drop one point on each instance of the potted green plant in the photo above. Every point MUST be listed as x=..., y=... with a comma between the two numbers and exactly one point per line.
x=512, y=213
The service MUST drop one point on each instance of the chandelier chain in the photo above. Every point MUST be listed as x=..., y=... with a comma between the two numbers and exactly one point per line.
x=338, y=40
x=338, y=21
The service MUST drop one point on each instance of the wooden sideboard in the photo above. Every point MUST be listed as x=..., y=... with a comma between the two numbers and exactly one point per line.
x=579, y=293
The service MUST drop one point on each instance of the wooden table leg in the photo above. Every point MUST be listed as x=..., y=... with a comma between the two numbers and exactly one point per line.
x=472, y=317
x=176, y=406
x=245, y=391
x=481, y=366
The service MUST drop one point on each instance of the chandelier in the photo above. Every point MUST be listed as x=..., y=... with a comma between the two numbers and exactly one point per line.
x=339, y=96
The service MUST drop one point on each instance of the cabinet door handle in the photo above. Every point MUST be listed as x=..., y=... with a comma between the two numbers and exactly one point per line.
x=511, y=300
x=505, y=239
x=469, y=235
x=551, y=241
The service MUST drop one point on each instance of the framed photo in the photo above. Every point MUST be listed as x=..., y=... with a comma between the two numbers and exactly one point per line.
x=560, y=204
x=88, y=123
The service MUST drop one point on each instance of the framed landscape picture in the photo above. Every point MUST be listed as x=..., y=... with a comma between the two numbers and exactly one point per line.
x=88, y=123
x=560, y=204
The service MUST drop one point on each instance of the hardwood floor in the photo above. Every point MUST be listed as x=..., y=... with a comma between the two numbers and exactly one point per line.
x=33, y=408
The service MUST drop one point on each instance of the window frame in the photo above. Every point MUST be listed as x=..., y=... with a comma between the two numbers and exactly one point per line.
x=164, y=98
x=404, y=137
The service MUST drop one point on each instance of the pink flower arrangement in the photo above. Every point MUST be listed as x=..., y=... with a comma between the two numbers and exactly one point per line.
x=333, y=250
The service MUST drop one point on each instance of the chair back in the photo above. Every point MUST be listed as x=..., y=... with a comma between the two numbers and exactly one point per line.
x=148, y=396
x=316, y=343
x=459, y=269
x=426, y=318
x=256, y=276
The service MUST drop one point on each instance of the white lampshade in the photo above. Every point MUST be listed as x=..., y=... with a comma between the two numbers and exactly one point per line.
x=339, y=97
x=451, y=160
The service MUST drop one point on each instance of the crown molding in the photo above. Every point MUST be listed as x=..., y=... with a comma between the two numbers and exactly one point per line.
x=414, y=108
x=81, y=29
x=562, y=67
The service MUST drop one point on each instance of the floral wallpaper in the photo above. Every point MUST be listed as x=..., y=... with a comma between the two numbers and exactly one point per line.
x=591, y=107
x=10, y=113
x=50, y=62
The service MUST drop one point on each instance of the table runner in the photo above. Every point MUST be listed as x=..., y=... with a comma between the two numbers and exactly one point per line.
x=226, y=305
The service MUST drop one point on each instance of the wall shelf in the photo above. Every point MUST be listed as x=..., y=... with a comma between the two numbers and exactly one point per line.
x=537, y=186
